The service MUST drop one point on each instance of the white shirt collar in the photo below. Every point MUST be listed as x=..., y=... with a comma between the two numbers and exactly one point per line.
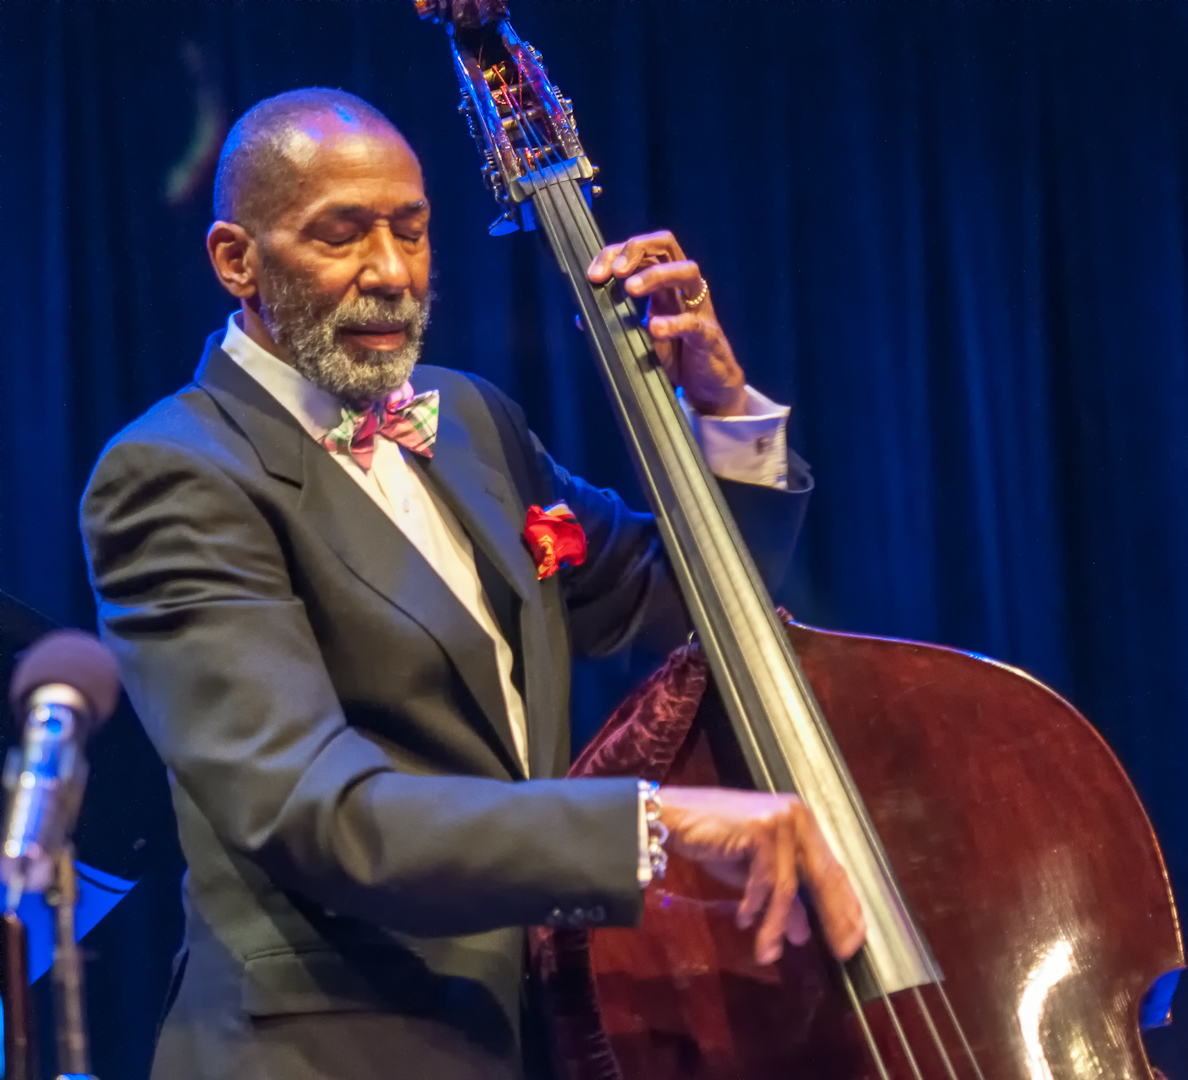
x=315, y=409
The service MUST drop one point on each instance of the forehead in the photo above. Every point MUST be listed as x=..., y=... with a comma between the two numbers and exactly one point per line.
x=335, y=156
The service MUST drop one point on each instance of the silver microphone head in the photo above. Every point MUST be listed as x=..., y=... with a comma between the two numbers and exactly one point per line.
x=42, y=782
x=67, y=685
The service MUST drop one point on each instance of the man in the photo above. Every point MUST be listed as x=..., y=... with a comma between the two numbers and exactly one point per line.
x=340, y=647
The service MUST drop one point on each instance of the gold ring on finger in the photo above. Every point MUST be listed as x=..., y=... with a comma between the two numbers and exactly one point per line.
x=699, y=299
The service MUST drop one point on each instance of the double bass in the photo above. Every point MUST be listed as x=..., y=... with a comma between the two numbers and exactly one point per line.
x=1020, y=921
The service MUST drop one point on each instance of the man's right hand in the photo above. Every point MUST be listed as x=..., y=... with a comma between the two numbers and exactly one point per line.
x=767, y=846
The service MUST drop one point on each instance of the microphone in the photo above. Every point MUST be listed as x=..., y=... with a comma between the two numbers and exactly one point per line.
x=66, y=685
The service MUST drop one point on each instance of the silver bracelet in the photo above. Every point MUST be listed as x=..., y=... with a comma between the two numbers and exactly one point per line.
x=649, y=793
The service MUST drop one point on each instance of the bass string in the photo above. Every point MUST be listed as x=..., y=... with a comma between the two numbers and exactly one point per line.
x=904, y=1043
x=696, y=501
x=860, y=1013
x=551, y=188
x=583, y=219
x=567, y=187
x=900, y=1034
x=587, y=239
x=969, y=1053
x=936, y=1039
x=538, y=145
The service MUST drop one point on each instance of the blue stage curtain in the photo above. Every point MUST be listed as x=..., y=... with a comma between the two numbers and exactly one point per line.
x=952, y=234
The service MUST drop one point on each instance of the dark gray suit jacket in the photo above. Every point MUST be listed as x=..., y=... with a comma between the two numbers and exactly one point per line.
x=340, y=753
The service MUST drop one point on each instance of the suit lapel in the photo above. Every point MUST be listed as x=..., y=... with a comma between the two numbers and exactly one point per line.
x=380, y=555
x=275, y=434
x=362, y=535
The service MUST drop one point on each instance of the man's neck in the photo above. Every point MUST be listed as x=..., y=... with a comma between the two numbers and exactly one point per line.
x=251, y=324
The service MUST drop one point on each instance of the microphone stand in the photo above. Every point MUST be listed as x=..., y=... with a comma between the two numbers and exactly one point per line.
x=74, y=1058
x=20, y=1031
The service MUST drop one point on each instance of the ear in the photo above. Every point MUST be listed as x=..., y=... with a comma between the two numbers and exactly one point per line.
x=232, y=253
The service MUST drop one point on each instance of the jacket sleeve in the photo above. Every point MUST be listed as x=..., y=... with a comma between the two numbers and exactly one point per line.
x=625, y=593
x=221, y=664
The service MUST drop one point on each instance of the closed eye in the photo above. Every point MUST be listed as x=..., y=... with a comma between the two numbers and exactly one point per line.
x=339, y=237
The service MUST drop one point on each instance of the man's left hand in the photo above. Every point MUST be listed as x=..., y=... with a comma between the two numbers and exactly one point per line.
x=689, y=343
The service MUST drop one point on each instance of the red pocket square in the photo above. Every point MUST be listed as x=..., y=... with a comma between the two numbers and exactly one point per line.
x=555, y=539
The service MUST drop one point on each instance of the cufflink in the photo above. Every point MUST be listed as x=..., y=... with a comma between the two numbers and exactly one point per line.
x=576, y=919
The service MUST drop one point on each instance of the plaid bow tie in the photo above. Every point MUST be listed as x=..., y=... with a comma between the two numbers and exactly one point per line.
x=405, y=418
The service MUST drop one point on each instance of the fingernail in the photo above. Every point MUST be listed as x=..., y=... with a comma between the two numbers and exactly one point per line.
x=634, y=281
x=620, y=263
x=769, y=955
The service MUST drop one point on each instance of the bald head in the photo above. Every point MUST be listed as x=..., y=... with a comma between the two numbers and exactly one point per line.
x=266, y=151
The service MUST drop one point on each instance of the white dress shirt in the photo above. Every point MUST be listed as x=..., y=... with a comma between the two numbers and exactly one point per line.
x=751, y=449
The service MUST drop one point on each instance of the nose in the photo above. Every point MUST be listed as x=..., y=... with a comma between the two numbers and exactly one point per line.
x=384, y=268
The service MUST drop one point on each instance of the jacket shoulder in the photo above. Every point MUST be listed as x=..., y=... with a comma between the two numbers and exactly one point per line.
x=185, y=418
x=185, y=430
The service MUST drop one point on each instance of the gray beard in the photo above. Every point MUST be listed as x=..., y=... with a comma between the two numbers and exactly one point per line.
x=310, y=336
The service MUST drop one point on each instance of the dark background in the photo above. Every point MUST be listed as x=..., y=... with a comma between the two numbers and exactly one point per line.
x=953, y=234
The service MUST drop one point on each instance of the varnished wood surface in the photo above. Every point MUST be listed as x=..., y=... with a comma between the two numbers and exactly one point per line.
x=1019, y=843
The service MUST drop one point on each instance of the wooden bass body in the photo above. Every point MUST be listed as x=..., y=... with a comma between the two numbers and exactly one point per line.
x=1019, y=843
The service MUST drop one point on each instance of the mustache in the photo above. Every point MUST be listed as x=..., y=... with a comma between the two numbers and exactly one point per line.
x=378, y=313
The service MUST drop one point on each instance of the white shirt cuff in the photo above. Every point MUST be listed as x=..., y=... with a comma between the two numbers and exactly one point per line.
x=752, y=449
x=644, y=866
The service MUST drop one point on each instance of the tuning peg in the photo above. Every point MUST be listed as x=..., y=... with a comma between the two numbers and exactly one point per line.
x=596, y=190
x=497, y=74
x=504, y=224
